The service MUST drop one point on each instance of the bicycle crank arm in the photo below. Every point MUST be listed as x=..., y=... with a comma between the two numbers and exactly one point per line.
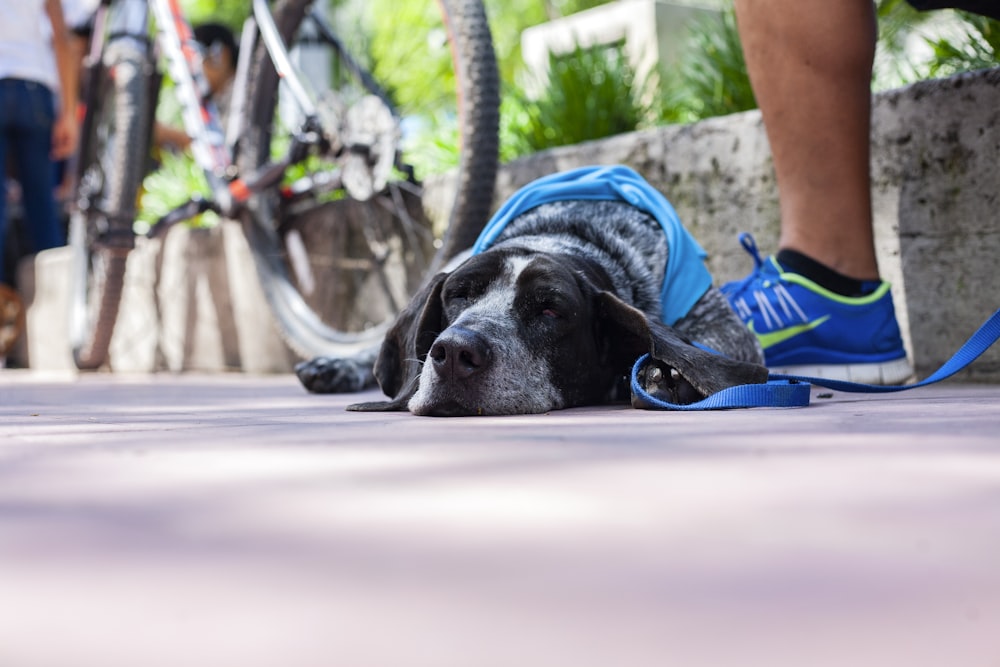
x=270, y=174
x=189, y=209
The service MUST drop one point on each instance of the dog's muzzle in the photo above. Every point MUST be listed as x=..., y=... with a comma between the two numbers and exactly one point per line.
x=459, y=360
x=460, y=354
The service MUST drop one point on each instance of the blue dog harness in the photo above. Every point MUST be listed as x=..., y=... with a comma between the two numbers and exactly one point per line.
x=687, y=278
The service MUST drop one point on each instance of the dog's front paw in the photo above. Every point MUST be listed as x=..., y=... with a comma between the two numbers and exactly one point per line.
x=327, y=375
x=666, y=384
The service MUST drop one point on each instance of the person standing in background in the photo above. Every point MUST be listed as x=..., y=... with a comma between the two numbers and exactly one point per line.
x=219, y=65
x=38, y=124
x=79, y=17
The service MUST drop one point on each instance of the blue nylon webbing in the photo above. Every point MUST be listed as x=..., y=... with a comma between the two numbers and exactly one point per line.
x=786, y=391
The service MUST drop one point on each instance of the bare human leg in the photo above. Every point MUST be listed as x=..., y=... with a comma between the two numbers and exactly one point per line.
x=810, y=63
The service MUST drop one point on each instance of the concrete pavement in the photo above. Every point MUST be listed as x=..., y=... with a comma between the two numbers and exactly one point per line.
x=236, y=520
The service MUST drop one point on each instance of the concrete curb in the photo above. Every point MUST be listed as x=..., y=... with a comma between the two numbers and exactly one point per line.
x=192, y=302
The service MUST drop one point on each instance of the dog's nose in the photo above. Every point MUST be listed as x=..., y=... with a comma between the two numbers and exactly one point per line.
x=458, y=354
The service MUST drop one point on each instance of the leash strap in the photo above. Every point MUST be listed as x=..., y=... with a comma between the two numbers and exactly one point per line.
x=787, y=391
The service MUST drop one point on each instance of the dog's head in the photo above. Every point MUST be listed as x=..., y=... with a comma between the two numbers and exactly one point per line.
x=513, y=331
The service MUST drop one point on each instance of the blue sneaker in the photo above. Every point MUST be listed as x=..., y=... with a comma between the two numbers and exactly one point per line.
x=805, y=329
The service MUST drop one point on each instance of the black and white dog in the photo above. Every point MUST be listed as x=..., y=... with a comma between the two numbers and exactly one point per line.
x=553, y=314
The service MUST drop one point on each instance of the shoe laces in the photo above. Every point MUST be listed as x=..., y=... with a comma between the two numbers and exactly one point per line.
x=733, y=289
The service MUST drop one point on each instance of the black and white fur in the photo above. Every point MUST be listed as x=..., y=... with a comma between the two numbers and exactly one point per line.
x=553, y=315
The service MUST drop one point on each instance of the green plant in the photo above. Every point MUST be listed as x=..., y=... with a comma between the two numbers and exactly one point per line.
x=431, y=144
x=594, y=92
x=589, y=93
x=973, y=42
x=711, y=78
x=173, y=183
x=230, y=12
x=981, y=49
x=897, y=21
x=394, y=35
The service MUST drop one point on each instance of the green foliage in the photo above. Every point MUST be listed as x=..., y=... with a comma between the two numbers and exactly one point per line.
x=397, y=35
x=711, y=79
x=509, y=18
x=173, y=183
x=973, y=44
x=594, y=93
x=896, y=20
x=405, y=42
x=411, y=56
x=431, y=144
x=980, y=51
x=589, y=94
x=230, y=12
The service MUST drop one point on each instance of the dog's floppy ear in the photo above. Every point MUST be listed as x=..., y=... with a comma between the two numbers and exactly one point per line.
x=406, y=344
x=679, y=372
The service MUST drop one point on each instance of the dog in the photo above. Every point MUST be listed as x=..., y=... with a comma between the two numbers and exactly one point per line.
x=564, y=291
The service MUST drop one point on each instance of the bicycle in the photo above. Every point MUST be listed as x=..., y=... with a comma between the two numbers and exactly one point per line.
x=276, y=123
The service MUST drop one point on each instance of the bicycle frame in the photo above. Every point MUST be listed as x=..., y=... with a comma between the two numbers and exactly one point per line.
x=351, y=196
x=211, y=148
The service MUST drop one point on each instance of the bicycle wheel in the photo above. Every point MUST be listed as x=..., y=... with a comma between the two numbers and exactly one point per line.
x=109, y=174
x=336, y=272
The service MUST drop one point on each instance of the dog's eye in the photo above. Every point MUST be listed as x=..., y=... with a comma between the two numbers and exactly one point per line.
x=461, y=292
x=551, y=313
x=458, y=298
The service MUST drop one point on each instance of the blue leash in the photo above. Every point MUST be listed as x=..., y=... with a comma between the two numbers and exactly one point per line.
x=789, y=391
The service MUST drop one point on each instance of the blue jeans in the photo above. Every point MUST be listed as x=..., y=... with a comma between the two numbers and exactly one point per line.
x=27, y=114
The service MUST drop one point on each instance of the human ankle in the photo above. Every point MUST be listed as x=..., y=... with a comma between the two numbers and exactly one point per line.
x=823, y=275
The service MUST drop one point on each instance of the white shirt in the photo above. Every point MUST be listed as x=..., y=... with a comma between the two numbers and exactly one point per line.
x=25, y=43
x=78, y=12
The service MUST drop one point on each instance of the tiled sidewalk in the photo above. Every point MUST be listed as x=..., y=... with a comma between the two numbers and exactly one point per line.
x=236, y=520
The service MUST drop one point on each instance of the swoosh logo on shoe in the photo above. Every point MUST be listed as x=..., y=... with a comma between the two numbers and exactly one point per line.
x=772, y=338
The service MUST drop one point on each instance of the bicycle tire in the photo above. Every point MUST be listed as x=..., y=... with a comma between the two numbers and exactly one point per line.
x=109, y=175
x=298, y=318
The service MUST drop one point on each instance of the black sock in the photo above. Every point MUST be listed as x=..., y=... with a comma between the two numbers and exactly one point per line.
x=823, y=275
